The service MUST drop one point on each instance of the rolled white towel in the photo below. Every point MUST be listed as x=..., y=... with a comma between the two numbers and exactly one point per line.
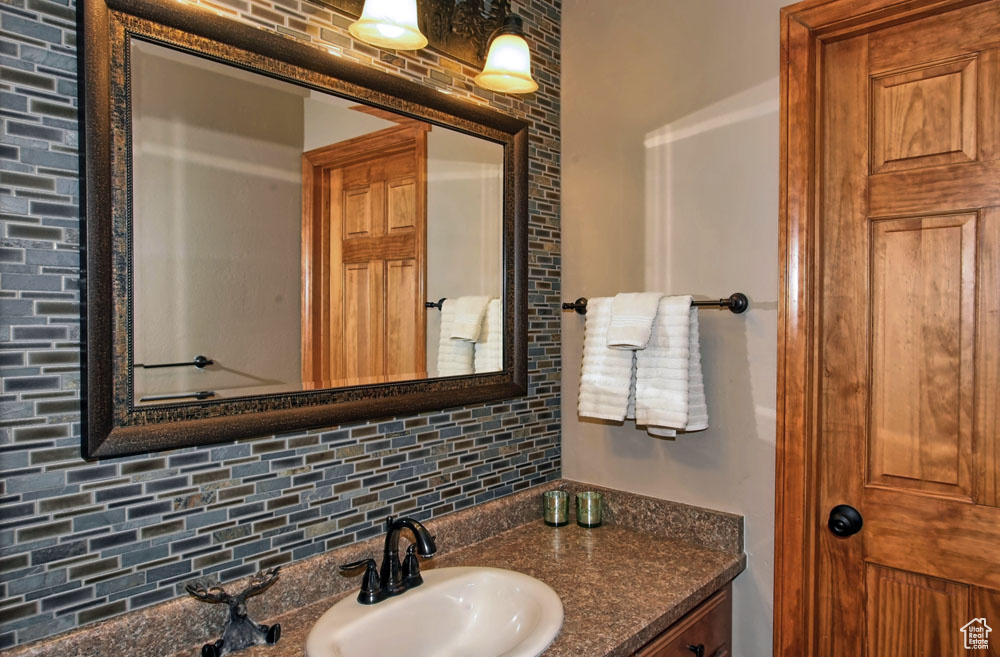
x=489, y=348
x=632, y=315
x=468, y=322
x=455, y=357
x=606, y=373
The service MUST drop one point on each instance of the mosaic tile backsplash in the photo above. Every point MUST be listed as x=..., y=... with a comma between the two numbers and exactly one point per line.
x=82, y=541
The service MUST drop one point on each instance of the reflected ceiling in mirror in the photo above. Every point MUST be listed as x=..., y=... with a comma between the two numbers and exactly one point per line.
x=292, y=238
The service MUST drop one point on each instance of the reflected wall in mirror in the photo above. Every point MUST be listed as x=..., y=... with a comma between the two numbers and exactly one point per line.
x=293, y=237
x=277, y=225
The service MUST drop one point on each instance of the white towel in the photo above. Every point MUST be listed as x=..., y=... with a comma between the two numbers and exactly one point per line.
x=606, y=373
x=697, y=404
x=670, y=388
x=661, y=380
x=489, y=348
x=632, y=316
x=455, y=357
x=469, y=313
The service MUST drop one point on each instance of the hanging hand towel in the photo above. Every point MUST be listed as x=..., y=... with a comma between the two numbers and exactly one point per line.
x=660, y=432
x=455, y=357
x=697, y=405
x=661, y=379
x=489, y=348
x=606, y=373
x=632, y=316
x=469, y=313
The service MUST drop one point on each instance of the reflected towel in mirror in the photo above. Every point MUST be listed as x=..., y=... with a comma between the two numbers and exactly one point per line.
x=468, y=320
x=455, y=357
x=489, y=348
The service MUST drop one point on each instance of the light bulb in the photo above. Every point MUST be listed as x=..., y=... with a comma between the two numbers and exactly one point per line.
x=389, y=24
x=508, y=63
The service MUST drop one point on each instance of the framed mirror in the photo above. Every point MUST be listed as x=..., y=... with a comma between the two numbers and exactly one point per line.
x=280, y=239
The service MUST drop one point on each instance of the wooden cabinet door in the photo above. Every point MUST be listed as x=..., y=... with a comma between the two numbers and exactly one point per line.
x=706, y=630
x=365, y=236
x=907, y=340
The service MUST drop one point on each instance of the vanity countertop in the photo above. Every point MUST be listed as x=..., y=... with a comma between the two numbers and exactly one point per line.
x=619, y=587
x=621, y=584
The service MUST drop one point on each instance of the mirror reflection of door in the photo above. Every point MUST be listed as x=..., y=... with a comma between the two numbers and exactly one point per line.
x=364, y=232
x=232, y=236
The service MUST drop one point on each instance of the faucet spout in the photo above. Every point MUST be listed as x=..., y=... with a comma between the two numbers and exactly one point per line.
x=390, y=574
x=393, y=577
x=424, y=540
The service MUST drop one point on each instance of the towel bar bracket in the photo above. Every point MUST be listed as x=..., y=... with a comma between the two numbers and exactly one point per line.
x=580, y=306
x=439, y=304
x=737, y=303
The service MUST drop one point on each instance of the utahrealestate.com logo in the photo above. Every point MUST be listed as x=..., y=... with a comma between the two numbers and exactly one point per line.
x=977, y=634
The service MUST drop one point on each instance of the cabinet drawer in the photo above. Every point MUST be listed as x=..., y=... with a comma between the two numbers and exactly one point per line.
x=709, y=625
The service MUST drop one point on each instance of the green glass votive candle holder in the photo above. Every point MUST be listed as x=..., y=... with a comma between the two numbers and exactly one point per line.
x=555, y=508
x=588, y=509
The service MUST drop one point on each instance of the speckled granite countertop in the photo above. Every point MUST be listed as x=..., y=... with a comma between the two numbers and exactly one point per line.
x=594, y=571
x=680, y=554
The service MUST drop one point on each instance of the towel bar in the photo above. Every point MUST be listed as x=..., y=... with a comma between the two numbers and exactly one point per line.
x=737, y=302
x=204, y=394
x=199, y=361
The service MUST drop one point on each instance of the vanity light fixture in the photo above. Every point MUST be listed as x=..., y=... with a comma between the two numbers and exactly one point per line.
x=389, y=24
x=508, y=62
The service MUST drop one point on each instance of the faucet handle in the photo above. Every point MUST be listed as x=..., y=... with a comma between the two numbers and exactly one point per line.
x=371, y=590
x=411, y=568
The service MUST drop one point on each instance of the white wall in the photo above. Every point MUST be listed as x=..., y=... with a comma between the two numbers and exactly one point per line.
x=327, y=120
x=670, y=182
x=217, y=224
x=464, y=212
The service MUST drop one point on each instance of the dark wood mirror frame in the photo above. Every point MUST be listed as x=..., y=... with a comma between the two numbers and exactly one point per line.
x=112, y=425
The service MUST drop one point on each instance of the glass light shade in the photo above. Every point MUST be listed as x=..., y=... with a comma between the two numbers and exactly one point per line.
x=389, y=24
x=508, y=66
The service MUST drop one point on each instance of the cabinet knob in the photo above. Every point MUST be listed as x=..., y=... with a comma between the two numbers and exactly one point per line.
x=698, y=650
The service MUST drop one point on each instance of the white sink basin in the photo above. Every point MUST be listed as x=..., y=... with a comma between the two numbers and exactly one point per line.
x=457, y=612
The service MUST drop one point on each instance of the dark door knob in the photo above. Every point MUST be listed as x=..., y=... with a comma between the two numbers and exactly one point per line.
x=844, y=520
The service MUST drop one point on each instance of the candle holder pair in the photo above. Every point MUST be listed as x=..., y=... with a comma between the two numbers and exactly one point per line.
x=555, y=508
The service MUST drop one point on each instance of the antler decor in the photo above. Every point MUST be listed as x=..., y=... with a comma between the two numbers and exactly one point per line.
x=240, y=632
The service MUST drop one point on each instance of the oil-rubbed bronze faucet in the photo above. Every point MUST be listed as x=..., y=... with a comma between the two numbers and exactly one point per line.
x=394, y=578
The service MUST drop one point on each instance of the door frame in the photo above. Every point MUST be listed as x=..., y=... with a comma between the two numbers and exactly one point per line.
x=316, y=265
x=805, y=27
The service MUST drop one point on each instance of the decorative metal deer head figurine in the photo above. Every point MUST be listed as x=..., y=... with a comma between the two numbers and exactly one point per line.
x=240, y=632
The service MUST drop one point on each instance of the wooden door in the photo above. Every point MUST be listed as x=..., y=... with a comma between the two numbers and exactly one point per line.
x=895, y=322
x=364, y=246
